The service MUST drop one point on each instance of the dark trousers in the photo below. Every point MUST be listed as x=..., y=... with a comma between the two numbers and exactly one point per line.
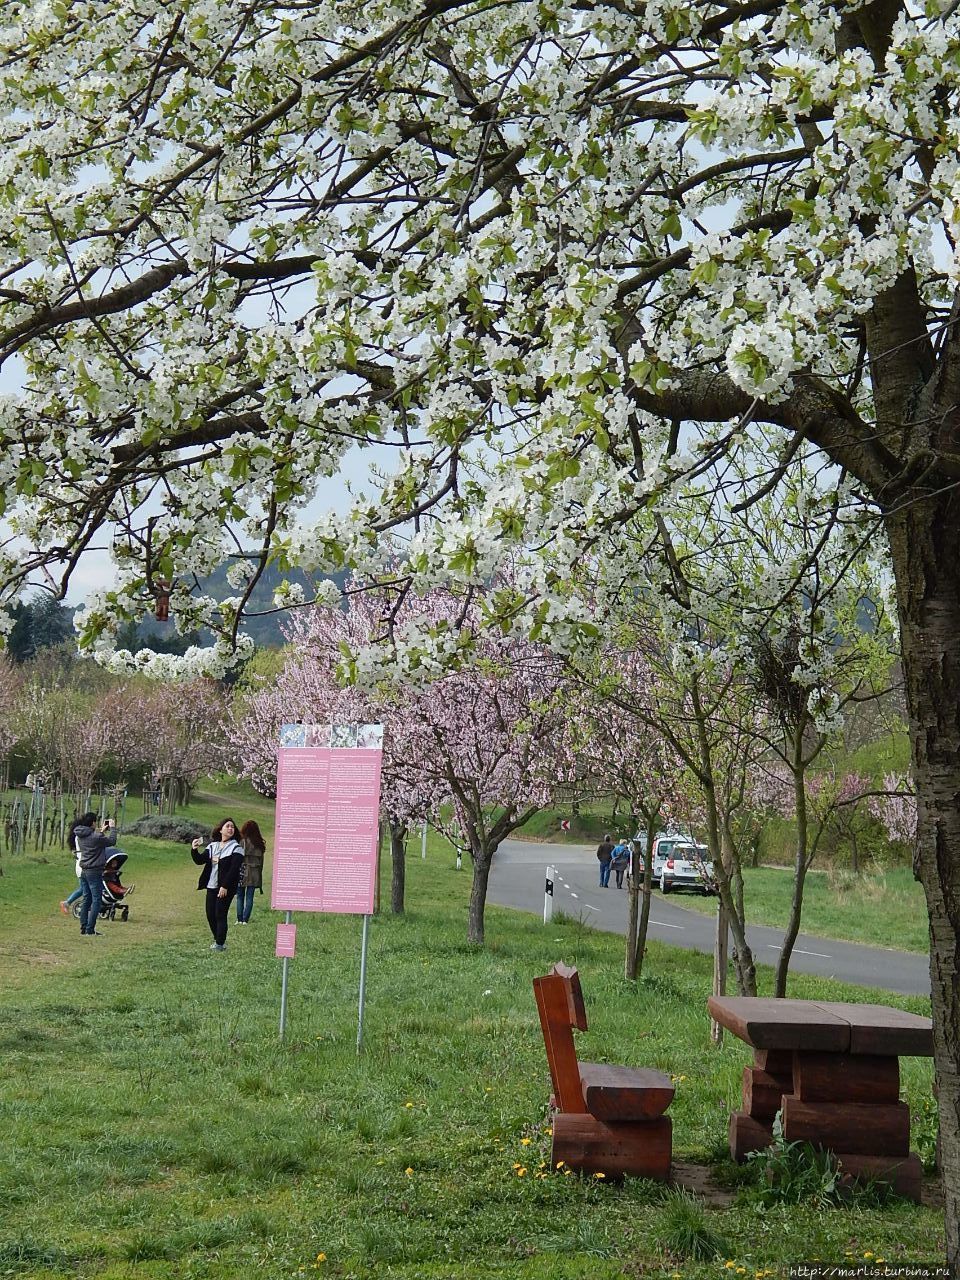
x=217, y=911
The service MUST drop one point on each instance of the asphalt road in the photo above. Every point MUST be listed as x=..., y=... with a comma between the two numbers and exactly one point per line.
x=517, y=880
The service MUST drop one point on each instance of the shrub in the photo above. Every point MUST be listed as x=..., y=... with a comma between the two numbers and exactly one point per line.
x=167, y=827
x=684, y=1230
x=791, y=1172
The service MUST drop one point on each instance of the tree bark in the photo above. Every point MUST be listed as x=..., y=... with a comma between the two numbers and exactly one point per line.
x=638, y=915
x=398, y=856
x=800, y=865
x=478, y=894
x=925, y=545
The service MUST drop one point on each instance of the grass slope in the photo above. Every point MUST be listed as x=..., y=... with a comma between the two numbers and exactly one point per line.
x=156, y=1129
x=884, y=909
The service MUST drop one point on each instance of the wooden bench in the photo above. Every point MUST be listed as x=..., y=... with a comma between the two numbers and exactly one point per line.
x=606, y=1119
x=832, y=1071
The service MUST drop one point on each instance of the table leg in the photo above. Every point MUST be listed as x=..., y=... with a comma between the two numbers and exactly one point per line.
x=849, y=1104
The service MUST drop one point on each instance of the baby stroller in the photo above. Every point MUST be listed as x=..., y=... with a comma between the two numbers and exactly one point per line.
x=112, y=905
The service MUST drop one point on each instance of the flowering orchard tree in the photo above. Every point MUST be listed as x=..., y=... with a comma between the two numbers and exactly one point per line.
x=496, y=739
x=622, y=755
x=10, y=694
x=511, y=247
x=896, y=810
x=475, y=750
x=309, y=688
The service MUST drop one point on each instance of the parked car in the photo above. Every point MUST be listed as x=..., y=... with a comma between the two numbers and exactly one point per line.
x=663, y=847
x=687, y=866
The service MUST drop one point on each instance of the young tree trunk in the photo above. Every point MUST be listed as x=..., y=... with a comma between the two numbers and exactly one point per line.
x=638, y=916
x=725, y=863
x=800, y=865
x=398, y=856
x=925, y=544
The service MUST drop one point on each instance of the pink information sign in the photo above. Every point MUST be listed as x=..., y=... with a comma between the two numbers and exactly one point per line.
x=286, y=940
x=328, y=809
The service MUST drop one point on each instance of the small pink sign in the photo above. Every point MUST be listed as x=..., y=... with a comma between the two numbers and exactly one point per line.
x=328, y=808
x=286, y=940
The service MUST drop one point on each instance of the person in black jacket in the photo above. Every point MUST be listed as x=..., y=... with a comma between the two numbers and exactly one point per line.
x=93, y=849
x=222, y=862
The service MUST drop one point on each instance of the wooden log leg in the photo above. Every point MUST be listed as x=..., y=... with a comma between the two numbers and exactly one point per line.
x=904, y=1175
x=747, y=1134
x=855, y=1127
x=762, y=1094
x=846, y=1077
x=642, y=1149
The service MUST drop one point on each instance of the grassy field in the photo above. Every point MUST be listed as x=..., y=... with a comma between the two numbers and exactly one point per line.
x=884, y=909
x=155, y=1128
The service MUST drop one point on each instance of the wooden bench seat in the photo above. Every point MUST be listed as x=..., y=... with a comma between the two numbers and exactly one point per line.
x=607, y=1119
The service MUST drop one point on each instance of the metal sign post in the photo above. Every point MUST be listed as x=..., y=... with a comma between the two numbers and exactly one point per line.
x=363, y=981
x=288, y=919
x=548, y=895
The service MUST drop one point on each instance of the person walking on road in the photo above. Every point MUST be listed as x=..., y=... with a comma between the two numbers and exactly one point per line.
x=620, y=860
x=605, y=857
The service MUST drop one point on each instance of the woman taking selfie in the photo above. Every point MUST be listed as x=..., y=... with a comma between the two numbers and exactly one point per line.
x=222, y=862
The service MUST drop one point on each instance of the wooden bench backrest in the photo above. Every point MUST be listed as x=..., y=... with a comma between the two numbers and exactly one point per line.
x=561, y=1008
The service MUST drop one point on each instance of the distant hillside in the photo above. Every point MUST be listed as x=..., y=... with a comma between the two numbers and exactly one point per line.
x=265, y=631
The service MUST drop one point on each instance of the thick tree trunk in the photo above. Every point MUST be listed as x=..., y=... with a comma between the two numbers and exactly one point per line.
x=478, y=894
x=398, y=856
x=925, y=545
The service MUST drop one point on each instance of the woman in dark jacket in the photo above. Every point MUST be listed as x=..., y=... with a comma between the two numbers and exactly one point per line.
x=222, y=862
x=254, y=849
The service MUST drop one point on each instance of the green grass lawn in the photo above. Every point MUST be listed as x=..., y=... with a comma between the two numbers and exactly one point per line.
x=156, y=1128
x=885, y=909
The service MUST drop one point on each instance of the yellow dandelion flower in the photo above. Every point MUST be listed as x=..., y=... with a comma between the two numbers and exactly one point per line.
x=879, y=1260
x=516, y=1164
x=408, y=1104
x=521, y=1171
x=561, y=1163
x=567, y=1173
x=741, y=1271
x=729, y=1264
x=525, y=1142
x=409, y=1171
x=599, y=1175
x=548, y=1132
x=868, y=1254
x=321, y=1257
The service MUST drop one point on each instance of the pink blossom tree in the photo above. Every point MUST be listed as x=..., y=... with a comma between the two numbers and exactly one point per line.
x=623, y=756
x=475, y=749
x=896, y=809
x=496, y=738
x=309, y=688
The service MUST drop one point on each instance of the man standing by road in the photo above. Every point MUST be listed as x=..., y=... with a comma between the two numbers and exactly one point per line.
x=605, y=857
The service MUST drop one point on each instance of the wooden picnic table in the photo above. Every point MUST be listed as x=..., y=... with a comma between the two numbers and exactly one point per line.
x=832, y=1070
